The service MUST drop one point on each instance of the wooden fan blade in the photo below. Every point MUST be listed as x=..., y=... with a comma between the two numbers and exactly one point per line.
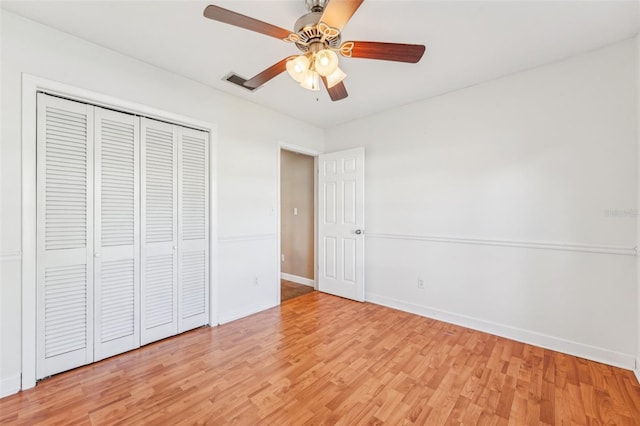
x=337, y=92
x=266, y=75
x=338, y=12
x=388, y=51
x=232, y=18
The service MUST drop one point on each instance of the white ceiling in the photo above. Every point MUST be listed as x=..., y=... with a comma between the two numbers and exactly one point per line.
x=467, y=42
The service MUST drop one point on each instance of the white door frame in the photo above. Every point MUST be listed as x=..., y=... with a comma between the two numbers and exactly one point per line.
x=30, y=86
x=312, y=153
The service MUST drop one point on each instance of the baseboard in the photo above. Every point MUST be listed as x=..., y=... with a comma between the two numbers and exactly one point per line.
x=245, y=311
x=297, y=279
x=9, y=385
x=637, y=371
x=593, y=353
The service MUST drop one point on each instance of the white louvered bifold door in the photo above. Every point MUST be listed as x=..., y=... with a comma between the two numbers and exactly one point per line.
x=159, y=230
x=64, y=235
x=117, y=233
x=193, y=228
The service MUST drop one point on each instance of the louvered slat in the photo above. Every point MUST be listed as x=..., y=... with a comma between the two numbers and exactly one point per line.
x=193, y=228
x=65, y=309
x=118, y=183
x=66, y=179
x=193, y=284
x=159, y=189
x=117, y=233
x=64, y=235
x=194, y=175
x=117, y=299
x=159, y=290
x=159, y=295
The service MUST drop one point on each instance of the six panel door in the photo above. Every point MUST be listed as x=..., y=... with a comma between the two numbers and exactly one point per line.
x=341, y=223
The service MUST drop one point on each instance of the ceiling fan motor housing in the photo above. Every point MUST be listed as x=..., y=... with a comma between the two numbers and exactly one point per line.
x=307, y=28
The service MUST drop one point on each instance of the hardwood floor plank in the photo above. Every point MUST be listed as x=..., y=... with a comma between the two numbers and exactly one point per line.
x=319, y=359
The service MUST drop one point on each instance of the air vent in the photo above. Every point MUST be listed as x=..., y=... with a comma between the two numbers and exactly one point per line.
x=234, y=78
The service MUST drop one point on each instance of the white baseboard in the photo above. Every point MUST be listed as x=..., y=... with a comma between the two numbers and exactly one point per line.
x=637, y=370
x=242, y=312
x=593, y=353
x=9, y=385
x=297, y=279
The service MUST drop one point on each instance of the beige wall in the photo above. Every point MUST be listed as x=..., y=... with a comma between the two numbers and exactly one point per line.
x=296, y=177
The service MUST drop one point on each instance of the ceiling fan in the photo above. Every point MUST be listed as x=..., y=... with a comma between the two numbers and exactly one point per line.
x=317, y=35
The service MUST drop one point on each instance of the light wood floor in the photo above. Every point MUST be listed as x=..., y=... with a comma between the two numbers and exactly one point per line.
x=319, y=359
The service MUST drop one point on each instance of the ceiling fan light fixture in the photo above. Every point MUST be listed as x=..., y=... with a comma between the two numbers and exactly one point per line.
x=311, y=81
x=335, y=77
x=326, y=62
x=317, y=35
x=298, y=67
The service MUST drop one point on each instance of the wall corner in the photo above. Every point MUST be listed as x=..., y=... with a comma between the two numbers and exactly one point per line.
x=637, y=369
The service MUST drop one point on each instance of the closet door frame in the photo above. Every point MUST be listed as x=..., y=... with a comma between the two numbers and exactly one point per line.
x=31, y=85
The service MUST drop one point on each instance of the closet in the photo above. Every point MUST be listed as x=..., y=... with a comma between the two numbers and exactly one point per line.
x=123, y=232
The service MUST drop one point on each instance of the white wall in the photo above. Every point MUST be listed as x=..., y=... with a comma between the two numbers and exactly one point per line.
x=638, y=183
x=246, y=164
x=514, y=201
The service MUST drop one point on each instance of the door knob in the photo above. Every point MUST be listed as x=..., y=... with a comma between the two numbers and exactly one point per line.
x=359, y=231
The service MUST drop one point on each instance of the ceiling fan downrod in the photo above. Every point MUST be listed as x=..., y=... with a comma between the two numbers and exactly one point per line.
x=315, y=5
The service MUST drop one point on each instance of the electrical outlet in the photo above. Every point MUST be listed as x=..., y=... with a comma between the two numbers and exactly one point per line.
x=282, y=257
x=256, y=280
x=420, y=283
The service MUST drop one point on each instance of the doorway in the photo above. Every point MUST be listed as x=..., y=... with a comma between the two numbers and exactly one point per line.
x=297, y=224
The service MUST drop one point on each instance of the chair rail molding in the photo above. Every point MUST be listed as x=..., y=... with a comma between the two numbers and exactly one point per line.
x=249, y=237
x=11, y=255
x=567, y=246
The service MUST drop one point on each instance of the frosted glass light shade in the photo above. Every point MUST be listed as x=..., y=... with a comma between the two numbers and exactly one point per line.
x=326, y=62
x=298, y=67
x=335, y=77
x=311, y=81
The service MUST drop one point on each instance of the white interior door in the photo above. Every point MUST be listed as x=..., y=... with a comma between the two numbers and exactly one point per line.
x=193, y=228
x=341, y=223
x=64, y=235
x=117, y=233
x=159, y=230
